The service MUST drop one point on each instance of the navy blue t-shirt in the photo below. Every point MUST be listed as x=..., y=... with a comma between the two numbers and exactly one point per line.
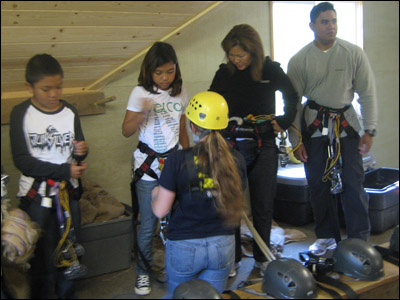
x=193, y=217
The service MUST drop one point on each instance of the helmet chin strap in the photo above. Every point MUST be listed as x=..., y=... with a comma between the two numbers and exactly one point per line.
x=204, y=133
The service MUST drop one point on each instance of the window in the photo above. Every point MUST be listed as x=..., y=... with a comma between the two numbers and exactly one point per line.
x=291, y=31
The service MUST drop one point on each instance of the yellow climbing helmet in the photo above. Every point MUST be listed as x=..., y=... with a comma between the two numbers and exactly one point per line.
x=208, y=110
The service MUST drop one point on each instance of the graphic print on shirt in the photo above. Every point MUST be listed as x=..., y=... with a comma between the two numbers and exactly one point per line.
x=206, y=182
x=52, y=138
x=164, y=113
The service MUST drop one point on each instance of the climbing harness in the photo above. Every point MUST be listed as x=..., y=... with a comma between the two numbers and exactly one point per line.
x=250, y=127
x=68, y=250
x=321, y=121
x=145, y=167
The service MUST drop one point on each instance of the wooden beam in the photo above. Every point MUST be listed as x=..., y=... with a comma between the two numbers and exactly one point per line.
x=119, y=71
x=87, y=103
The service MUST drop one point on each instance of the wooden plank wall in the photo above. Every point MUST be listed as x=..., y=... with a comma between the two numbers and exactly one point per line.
x=91, y=39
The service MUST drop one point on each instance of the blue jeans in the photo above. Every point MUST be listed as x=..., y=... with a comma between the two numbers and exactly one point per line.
x=148, y=224
x=209, y=259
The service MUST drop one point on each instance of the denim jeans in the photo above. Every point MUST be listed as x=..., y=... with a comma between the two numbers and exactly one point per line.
x=209, y=259
x=148, y=224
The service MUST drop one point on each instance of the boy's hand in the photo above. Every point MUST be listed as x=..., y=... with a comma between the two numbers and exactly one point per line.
x=80, y=148
x=77, y=171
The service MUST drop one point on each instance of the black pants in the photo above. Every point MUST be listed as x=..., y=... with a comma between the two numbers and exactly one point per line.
x=45, y=279
x=355, y=201
x=262, y=167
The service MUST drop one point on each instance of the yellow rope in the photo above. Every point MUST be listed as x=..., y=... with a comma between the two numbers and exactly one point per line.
x=59, y=261
x=300, y=138
x=330, y=163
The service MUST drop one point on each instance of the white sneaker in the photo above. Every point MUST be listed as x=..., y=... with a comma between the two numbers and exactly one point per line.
x=142, y=286
x=262, y=266
x=233, y=272
x=320, y=246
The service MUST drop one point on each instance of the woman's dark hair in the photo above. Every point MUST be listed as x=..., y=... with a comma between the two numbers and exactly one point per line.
x=42, y=65
x=318, y=9
x=249, y=40
x=159, y=54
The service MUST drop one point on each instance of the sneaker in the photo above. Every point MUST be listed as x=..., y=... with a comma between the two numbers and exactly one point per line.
x=262, y=266
x=322, y=245
x=142, y=286
x=233, y=272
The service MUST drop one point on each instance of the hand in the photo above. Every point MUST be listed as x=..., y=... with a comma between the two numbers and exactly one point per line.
x=365, y=143
x=80, y=148
x=276, y=127
x=77, y=171
x=146, y=104
x=301, y=153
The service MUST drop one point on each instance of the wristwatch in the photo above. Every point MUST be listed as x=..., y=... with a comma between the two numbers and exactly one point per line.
x=370, y=132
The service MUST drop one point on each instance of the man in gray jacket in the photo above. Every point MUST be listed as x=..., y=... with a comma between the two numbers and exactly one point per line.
x=327, y=72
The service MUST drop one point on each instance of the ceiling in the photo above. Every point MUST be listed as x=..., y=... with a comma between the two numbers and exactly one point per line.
x=95, y=41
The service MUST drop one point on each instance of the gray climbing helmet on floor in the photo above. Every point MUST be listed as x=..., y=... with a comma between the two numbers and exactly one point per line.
x=356, y=258
x=287, y=278
x=196, y=289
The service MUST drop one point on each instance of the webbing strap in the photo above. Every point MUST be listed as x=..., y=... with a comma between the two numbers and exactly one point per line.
x=337, y=284
x=145, y=168
x=389, y=255
x=322, y=114
x=333, y=293
x=33, y=191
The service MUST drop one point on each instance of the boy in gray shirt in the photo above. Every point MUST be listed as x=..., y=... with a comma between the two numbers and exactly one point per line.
x=327, y=72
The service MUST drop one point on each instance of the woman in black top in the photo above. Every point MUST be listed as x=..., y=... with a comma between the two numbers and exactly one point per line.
x=248, y=83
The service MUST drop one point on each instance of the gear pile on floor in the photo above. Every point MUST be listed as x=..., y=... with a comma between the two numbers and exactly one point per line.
x=279, y=237
x=97, y=205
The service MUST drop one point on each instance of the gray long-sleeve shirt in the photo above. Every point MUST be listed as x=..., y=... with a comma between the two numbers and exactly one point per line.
x=330, y=78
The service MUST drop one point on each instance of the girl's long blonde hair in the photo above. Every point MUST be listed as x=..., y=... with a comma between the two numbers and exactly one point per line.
x=215, y=159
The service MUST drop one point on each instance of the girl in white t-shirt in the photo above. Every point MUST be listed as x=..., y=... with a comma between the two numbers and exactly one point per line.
x=156, y=110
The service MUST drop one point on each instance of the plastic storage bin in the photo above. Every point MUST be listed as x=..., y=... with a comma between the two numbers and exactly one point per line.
x=292, y=202
x=108, y=245
x=382, y=186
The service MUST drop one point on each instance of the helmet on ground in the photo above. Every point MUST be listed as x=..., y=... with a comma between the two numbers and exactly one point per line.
x=356, y=258
x=208, y=110
x=287, y=278
x=196, y=289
